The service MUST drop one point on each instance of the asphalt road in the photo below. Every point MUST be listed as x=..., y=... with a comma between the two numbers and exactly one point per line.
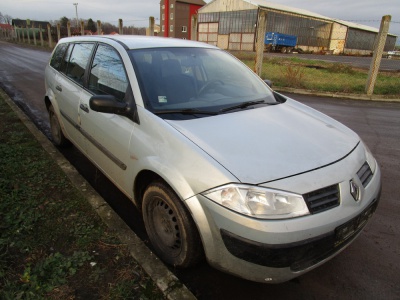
x=368, y=269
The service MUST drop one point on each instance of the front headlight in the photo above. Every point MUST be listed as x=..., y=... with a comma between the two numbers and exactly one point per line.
x=259, y=202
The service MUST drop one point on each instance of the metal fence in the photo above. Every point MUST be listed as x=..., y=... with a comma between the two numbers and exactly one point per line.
x=48, y=36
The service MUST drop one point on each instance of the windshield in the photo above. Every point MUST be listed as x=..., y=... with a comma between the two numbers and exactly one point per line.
x=190, y=80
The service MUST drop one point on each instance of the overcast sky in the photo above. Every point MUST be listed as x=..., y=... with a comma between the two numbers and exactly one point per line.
x=137, y=12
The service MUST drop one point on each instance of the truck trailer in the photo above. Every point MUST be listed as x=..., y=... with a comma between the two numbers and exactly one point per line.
x=275, y=41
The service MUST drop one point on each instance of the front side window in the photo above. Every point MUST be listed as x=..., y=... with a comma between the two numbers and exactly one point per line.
x=184, y=28
x=171, y=28
x=78, y=61
x=107, y=75
x=172, y=16
x=201, y=79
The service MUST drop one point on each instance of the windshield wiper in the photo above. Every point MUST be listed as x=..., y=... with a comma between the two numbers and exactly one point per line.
x=241, y=105
x=188, y=111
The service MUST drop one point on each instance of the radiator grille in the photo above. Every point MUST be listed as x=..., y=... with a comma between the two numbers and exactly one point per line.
x=365, y=174
x=323, y=199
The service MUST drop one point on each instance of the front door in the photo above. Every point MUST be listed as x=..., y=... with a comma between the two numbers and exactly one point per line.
x=107, y=135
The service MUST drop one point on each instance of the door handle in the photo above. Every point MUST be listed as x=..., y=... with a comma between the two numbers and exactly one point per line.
x=58, y=88
x=84, y=107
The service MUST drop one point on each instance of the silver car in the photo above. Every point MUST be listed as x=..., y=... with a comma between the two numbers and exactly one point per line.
x=220, y=165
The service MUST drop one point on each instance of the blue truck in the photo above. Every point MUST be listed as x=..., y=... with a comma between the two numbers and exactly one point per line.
x=275, y=41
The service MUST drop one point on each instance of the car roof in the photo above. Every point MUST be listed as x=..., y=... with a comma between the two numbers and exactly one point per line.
x=139, y=41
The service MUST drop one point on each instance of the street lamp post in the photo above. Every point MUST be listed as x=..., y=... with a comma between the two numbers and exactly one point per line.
x=76, y=11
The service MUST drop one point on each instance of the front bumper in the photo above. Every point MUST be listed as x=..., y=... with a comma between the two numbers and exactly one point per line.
x=278, y=250
x=301, y=255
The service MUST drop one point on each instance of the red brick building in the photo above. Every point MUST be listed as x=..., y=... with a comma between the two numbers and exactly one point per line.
x=176, y=17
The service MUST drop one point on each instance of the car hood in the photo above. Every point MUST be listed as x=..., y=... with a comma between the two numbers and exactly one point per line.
x=271, y=142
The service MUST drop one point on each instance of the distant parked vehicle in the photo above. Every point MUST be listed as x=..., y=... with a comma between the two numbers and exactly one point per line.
x=275, y=41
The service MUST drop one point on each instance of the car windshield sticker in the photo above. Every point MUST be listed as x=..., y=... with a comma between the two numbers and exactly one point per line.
x=162, y=99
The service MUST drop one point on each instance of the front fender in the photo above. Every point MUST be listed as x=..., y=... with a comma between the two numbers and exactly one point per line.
x=160, y=148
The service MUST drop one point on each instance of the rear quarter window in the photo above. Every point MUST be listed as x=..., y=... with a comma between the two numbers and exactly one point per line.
x=58, y=56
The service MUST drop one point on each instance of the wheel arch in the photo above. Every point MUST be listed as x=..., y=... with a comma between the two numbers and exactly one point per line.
x=47, y=102
x=143, y=179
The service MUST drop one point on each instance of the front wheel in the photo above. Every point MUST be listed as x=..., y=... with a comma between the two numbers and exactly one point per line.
x=170, y=227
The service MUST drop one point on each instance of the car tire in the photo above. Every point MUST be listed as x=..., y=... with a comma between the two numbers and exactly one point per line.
x=57, y=135
x=170, y=227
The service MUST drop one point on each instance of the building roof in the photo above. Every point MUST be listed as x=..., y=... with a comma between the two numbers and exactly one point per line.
x=6, y=26
x=356, y=26
x=275, y=6
x=196, y=2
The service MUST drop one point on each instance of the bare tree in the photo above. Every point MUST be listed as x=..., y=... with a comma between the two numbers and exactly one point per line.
x=7, y=19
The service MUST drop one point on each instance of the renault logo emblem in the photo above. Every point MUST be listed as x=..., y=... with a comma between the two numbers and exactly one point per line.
x=354, y=190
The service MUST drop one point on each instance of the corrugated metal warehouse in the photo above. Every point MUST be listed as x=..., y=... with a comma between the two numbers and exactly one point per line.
x=232, y=24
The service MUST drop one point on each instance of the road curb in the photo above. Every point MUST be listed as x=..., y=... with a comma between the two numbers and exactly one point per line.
x=166, y=281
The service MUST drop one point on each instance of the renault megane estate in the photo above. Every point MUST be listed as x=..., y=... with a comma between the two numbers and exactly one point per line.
x=220, y=165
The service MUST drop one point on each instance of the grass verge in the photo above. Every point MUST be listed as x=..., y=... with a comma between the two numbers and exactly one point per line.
x=52, y=244
x=319, y=76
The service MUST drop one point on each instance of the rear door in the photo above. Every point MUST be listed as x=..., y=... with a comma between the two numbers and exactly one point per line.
x=69, y=88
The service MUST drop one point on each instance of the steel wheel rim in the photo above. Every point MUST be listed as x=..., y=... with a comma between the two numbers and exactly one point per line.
x=165, y=226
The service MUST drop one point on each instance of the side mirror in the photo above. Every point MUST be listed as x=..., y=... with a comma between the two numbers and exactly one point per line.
x=108, y=104
x=269, y=82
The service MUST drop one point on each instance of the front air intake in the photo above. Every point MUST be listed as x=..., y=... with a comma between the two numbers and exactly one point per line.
x=323, y=199
x=365, y=174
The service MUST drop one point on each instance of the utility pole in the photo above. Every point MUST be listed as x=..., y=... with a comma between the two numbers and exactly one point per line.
x=76, y=12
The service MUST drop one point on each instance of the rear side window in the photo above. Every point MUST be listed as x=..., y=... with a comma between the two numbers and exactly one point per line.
x=107, y=75
x=78, y=61
x=65, y=59
x=58, y=56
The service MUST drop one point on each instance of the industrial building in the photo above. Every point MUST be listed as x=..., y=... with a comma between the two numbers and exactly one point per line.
x=232, y=25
